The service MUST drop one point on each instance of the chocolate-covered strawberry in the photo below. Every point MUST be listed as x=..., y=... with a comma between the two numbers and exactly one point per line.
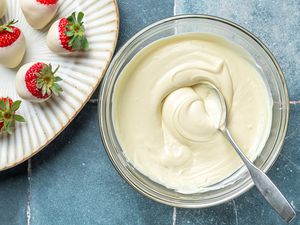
x=36, y=82
x=12, y=45
x=67, y=35
x=8, y=116
x=39, y=13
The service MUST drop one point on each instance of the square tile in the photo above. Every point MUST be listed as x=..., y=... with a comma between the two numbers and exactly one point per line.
x=14, y=187
x=73, y=182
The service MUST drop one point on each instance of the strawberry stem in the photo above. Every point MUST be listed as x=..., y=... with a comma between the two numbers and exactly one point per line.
x=75, y=30
x=47, y=81
x=8, y=115
x=7, y=26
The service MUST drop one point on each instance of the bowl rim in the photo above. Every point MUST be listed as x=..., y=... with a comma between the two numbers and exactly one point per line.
x=247, y=185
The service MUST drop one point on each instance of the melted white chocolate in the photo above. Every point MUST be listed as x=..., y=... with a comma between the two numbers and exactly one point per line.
x=160, y=109
x=38, y=15
x=11, y=56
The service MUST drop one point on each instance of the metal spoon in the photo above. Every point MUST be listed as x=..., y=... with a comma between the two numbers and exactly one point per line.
x=263, y=183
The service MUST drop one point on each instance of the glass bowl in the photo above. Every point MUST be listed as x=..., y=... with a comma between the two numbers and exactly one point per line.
x=239, y=182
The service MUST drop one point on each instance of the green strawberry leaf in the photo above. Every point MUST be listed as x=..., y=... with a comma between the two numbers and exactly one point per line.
x=15, y=106
x=44, y=90
x=69, y=33
x=7, y=105
x=19, y=118
x=80, y=17
x=2, y=105
x=8, y=26
x=47, y=81
x=8, y=116
x=85, y=43
x=75, y=30
x=56, y=79
x=8, y=125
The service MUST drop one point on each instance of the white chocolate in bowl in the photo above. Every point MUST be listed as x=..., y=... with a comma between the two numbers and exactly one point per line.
x=160, y=118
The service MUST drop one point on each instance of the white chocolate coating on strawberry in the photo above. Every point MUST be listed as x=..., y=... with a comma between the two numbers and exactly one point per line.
x=22, y=88
x=53, y=41
x=37, y=14
x=11, y=56
x=2, y=8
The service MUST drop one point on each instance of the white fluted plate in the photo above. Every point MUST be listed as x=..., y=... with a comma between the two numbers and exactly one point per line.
x=81, y=75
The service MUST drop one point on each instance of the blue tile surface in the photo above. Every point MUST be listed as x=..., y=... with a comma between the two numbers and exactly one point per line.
x=73, y=182
x=137, y=14
x=219, y=215
x=13, y=196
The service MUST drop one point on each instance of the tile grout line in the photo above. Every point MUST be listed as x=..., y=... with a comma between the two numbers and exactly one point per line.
x=28, y=210
x=295, y=102
x=235, y=213
x=175, y=8
x=174, y=216
x=93, y=101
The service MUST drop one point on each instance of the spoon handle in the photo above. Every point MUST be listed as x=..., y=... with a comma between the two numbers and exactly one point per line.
x=266, y=187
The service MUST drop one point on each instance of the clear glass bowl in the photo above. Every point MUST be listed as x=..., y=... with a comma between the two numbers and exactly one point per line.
x=240, y=181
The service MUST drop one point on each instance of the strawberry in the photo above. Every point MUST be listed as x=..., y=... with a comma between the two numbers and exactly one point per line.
x=47, y=2
x=8, y=115
x=68, y=35
x=39, y=13
x=9, y=34
x=12, y=45
x=36, y=82
x=2, y=8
